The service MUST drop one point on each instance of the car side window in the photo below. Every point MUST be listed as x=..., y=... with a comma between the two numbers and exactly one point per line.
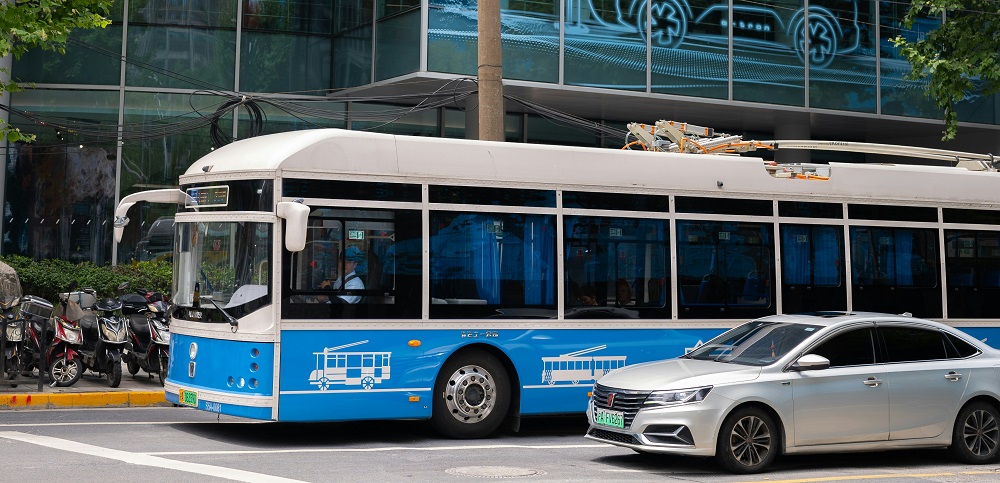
x=959, y=348
x=906, y=344
x=852, y=348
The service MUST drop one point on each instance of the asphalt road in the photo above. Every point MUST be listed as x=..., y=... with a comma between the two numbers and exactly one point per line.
x=184, y=445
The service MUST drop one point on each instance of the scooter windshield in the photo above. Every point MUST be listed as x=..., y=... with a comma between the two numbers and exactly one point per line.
x=224, y=262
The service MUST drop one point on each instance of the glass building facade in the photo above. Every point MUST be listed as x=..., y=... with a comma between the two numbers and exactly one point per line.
x=151, y=93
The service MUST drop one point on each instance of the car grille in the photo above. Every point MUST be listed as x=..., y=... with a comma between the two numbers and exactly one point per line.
x=613, y=436
x=628, y=402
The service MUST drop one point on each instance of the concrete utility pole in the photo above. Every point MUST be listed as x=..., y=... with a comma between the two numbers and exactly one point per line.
x=491, y=111
x=6, y=63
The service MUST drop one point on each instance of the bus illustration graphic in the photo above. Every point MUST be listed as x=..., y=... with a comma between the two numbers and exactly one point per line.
x=579, y=366
x=349, y=368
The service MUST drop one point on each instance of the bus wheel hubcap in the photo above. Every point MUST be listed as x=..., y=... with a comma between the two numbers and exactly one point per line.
x=471, y=394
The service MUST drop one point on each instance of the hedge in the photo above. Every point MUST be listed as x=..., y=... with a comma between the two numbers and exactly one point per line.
x=46, y=278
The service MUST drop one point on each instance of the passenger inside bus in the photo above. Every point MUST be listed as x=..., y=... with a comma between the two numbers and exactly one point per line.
x=588, y=296
x=623, y=293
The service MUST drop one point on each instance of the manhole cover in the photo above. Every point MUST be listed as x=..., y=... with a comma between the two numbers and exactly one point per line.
x=493, y=471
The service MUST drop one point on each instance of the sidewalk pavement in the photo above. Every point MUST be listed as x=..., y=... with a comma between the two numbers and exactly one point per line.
x=90, y=391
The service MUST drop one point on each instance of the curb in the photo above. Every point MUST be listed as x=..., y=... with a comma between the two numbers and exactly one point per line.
x=84, y=400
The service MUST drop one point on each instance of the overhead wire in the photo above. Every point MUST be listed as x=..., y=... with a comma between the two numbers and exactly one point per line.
x=211, y=115
x=453, y=92
x=569, y=120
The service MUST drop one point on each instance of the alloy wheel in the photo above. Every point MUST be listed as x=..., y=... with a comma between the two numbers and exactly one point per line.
x=750, y=441
x=981, y=433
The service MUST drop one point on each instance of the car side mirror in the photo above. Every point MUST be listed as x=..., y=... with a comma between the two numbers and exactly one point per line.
x=811, y=362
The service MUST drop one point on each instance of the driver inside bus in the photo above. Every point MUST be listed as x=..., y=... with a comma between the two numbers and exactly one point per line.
x=353, y=256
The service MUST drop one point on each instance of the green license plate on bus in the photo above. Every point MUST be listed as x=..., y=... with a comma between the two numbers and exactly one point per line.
x=615, y=419
x=188, y=398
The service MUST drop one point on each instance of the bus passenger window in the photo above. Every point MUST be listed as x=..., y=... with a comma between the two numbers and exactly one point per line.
x=725, y=266
x=359, y=263
x=894, y=270
x=486, y=265
x=972, y=259
x=812, y=268
x=616, y=268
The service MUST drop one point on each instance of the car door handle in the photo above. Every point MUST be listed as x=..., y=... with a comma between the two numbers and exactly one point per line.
x=873, y=382
x=952, y=376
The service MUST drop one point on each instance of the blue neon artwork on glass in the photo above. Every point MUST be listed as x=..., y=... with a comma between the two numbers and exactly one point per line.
x=683, y=46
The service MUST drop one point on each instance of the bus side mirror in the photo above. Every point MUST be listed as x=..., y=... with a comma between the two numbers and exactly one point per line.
x=121, y=220
x=166, y=195
x=296, y=217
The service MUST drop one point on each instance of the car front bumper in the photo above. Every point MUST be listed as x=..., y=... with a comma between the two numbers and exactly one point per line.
x=685, y=429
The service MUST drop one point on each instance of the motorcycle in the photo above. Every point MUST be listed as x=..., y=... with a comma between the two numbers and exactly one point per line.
x=149, y=333
x=13, y=334
x=105, y=335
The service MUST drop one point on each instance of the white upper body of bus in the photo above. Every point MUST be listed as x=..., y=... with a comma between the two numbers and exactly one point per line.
x=335, y=153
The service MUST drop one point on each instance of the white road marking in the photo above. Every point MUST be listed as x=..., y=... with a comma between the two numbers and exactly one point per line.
x=144, y=459
x=382, y=449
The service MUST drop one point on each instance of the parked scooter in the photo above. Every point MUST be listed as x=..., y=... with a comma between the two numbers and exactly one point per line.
x=60, y=330
x=13, y=337
x=105, y=334
x=36, y=313
x=65, y=364
x=149, y=333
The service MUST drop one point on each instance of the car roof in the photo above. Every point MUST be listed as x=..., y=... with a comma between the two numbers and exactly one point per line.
x=831, y=318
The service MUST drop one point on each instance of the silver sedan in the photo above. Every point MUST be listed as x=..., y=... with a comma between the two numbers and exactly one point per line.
x=822, y=382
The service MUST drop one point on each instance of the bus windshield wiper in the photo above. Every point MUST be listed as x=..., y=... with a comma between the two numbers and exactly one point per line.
x=235, y=324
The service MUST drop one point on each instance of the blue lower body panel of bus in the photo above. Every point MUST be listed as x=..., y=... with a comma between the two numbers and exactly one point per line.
x=390, y=374
x=222, y=376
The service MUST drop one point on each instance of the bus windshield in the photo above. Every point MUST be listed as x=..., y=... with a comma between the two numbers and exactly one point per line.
x=226, y=262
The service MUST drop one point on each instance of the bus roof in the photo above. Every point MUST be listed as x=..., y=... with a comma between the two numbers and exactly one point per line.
x=334, y=153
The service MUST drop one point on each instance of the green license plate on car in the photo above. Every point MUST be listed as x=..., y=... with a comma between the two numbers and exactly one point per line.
x=188, y=398
x=604, y=417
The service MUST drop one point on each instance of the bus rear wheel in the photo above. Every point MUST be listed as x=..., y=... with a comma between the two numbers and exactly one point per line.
x=471, y=396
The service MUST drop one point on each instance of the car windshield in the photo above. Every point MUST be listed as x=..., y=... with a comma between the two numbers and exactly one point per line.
x=757, y=343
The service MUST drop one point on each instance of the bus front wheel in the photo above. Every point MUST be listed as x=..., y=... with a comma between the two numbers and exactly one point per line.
x=471, y=396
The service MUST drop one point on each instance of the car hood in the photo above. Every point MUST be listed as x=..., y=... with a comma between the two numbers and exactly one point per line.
x=678, y=374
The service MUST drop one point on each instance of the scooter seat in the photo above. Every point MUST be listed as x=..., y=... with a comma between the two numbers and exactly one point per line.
x=139, y=325
x=89, y=323
x=133, y=299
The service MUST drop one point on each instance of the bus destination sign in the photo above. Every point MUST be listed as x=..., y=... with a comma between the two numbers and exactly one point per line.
x=207, y=196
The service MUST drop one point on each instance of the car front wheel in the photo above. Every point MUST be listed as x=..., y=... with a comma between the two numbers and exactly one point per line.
x=976, y=438
x=748, y=441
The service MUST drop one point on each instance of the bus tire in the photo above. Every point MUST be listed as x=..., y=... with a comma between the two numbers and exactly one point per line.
x=471, y=395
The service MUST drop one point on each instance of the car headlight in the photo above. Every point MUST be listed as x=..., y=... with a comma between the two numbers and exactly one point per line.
x=673, y=398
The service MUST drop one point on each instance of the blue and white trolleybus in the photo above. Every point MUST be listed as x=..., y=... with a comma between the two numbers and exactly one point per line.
x=328, y=275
